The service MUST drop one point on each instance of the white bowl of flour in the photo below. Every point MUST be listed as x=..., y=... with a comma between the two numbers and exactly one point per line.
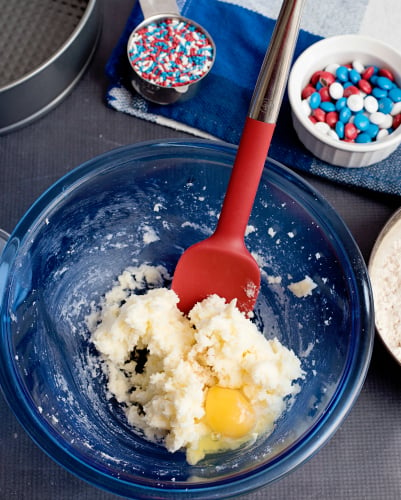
x=385, y=275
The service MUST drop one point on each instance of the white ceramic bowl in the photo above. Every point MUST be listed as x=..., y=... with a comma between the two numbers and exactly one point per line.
x=341, y=49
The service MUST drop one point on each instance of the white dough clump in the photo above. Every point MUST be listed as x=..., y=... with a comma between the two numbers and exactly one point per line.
x=302, y=288
x=161, y=363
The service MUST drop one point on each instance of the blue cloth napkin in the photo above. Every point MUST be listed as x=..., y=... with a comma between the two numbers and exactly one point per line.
x=219, y=108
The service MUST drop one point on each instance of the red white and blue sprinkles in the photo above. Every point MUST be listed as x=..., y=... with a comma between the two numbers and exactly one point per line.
x=353, y=102
x=170, y=53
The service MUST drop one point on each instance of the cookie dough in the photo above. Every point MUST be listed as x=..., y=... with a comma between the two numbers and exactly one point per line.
x=202, y=383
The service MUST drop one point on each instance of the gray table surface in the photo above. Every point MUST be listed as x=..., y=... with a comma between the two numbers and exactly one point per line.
x=362, y=460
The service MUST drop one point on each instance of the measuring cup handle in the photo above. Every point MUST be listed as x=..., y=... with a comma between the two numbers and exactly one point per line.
x=157, y=7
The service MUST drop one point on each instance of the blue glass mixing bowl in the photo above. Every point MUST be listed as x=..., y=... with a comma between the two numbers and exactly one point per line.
x=77, y=238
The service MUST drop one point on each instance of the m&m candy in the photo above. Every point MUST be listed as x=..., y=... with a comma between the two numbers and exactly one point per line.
x=356, y=102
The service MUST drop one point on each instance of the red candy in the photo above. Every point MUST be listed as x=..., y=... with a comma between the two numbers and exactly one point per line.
x=326, y=78
x=397, y=121
x=308, y=91
x=315, y=78
x=350, y=131
x=325, y=94
x=332, y=118
x=365, y=86
x=368, y=73
x=351, y=90
x=387, y=73
x=319, y=114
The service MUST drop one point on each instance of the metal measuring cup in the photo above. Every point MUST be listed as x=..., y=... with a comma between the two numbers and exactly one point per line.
x=157, y=11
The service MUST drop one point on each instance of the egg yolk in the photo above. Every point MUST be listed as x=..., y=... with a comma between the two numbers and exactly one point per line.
x=228, y=412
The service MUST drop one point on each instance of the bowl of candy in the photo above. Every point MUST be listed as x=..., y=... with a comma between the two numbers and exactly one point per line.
x=118, y=386
x=345, y=99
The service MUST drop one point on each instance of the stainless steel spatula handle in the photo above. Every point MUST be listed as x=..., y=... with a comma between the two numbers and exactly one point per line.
x=271, y=83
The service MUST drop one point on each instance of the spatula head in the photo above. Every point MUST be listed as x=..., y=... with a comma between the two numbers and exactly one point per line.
x=209, y=267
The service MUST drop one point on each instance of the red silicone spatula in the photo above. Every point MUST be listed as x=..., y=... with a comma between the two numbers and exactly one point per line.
x=221, y=264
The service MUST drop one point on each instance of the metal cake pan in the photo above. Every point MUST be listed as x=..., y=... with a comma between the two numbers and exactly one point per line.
x=45, y=46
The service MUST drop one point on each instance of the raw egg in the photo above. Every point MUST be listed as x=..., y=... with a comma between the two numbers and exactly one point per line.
x=228, y=412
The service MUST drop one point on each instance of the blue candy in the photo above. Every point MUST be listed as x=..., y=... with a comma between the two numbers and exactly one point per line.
x=341, y=103
x=314, y=100
x=361, y=121
x=379, y=93
x=327, y=106
x=384, y=83
x=345, y=114
x=340, y=129
x=372, y=130
x=342, y=73
x=354, y=76
x=385, y=105
x=363, y=137
x=395, y=94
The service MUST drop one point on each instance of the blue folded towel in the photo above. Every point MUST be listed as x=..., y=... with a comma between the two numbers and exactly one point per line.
x=220, y=106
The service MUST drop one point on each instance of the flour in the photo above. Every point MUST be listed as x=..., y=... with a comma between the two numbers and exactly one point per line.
x=385, y=274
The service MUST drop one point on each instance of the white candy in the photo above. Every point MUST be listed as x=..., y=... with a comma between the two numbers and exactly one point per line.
x=358, y=66
x=331, y=133
x=371, y=104
x=378, y=118
x=305, y=107
x=322, y=127
x=332, y=68
x=396, y=108
x=355, y=102
x=387, y=122
x=336, y=90
x=382, y=134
